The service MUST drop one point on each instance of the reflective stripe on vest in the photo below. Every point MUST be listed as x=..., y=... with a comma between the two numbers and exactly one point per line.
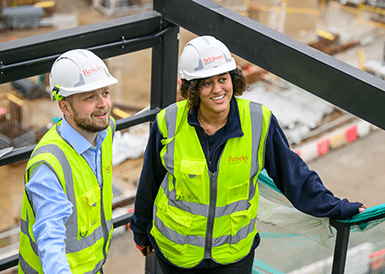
x=208, y=206
x=74, y=244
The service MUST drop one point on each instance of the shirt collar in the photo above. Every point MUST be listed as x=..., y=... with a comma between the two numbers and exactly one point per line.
x=76, y=140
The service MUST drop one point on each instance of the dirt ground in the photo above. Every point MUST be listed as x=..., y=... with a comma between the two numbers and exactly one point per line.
x=356, y=170
x=353, y=171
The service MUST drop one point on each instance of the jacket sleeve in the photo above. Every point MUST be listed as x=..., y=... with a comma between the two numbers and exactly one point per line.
x=302, y=186
x=52, y=210
x=150, y=180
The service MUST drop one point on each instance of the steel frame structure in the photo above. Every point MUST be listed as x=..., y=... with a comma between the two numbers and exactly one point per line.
x=335, y=81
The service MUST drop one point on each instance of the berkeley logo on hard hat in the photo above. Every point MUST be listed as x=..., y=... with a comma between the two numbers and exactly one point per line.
x=92, y=70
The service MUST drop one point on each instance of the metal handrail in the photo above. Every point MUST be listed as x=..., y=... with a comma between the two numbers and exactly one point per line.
x=23, y=153
x=13, y=260
x=342, y=241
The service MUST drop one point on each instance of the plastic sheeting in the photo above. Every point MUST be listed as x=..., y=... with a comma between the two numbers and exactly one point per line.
x=130, y=144
x=290, y=239
x=275, y=210
x=297, y=243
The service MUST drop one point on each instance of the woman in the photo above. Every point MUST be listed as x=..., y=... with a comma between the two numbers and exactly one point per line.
x=197, y=199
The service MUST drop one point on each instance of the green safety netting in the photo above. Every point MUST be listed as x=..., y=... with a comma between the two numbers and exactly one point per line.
x=297, y=243
x=367, y=219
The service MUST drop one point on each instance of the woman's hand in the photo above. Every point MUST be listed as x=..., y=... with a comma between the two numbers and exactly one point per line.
x=145, y=250
x=362, y=208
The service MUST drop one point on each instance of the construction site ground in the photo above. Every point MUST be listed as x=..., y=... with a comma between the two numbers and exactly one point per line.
x=353, y=171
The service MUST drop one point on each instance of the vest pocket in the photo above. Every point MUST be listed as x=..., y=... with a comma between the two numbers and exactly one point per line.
x=88, y=208
x=82, y=261
x=238, y=192
x=240, y=227
x=191, y=187
x=174, y=225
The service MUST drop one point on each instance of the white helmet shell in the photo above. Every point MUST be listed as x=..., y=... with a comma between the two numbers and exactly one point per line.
x=78, y=71
x=204, y=57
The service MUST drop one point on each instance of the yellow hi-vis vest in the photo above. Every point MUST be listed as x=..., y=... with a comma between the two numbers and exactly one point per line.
x=199, y=214
x=89, y=228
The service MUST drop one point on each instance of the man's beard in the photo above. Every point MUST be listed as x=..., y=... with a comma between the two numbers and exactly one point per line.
x=89, y=126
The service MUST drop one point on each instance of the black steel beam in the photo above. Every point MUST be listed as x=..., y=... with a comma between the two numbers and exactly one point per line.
x=13, y=260
x=34, y=55
x=164, y=69
x=147, y=116
x=9, y=262
x=333, y=80
x=122, y=220
x=24, y=153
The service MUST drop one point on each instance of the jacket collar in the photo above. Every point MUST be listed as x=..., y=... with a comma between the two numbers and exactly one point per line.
x=233, y=127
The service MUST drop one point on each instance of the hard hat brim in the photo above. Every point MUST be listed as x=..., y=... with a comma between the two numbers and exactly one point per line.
x=89, y=87
x=206, y=74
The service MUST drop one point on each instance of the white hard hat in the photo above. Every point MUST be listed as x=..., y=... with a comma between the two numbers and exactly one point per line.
x=78, y=71
x=204, y=57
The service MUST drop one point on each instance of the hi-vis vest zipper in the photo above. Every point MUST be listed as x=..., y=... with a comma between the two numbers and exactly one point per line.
x=199, y=214
x=89, y=228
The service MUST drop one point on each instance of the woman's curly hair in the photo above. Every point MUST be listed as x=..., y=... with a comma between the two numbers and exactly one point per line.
x=190, y=89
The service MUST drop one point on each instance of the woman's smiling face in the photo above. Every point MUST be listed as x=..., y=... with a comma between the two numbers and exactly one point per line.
x=216, y=94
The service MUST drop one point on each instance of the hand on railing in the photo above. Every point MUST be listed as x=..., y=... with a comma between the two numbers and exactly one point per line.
x=362, y=208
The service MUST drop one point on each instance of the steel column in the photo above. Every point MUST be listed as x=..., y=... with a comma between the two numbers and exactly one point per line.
x=164, y=68
x=341, y=246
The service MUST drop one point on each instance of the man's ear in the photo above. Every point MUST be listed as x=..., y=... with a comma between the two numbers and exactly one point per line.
x=65, y=107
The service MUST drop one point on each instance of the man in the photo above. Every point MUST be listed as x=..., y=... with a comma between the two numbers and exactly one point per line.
x=66, y=219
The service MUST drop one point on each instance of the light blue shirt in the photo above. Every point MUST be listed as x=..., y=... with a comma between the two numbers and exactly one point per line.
x=50, y=204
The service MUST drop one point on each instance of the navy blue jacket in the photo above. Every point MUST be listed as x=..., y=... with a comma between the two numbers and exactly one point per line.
x=302, y=186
